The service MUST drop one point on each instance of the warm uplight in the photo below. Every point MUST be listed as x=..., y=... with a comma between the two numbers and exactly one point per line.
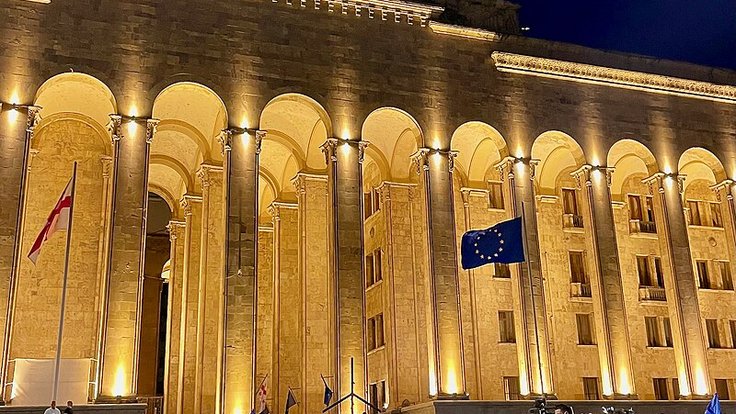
x=120, y=387
x=345, y=134
x=13, y=115
x=452, y=386
x=133, y=111
x=131, y=127
x=624, y=382
x=701, y=382
x=238, y=409
x=432, y=382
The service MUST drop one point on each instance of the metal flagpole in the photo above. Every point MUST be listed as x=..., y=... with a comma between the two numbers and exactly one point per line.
x=57, y=362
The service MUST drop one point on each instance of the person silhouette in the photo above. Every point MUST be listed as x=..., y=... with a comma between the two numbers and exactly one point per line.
x=52, y=409
x=69, y=409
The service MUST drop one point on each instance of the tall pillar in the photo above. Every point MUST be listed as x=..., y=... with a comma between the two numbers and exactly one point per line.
x=172, y=362
x=241, y=149
x=724, y=194
x=210, y=292
x=345, y=186
x=132, y=142
x=16, y=131
x=314, y=243
x=186, y=386
x=608, y=292
x=435, y=168
x=682, y=292
x=287, y=290
x=535, y=365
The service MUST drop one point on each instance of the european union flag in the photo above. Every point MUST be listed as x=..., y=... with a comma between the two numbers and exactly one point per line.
x=502, y=243
x=714, y=407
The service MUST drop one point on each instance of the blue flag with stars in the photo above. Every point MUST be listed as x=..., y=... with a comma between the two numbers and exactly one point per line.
x=714, y=407
x=502, y=243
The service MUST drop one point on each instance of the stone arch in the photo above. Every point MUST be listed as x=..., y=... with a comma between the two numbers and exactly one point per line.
x=558, y=154
x=301, y=120
x=394, y=136
x=698, y=163
x=176, y=166
x=480, y=147
x=629, y=158
x=167, y=196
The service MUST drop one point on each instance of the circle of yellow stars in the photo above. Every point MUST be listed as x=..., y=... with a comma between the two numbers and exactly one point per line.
x=500, y=242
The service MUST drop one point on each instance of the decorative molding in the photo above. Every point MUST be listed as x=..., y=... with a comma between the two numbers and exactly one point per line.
x=421, y=160
x=205, y=173
x=329, y=148
x=727, y=187
x=106, y=166
x=32, y=120
x=116, y=121
x=175, y=229
x=656, y=180
x=187, y=201
x=464, y=32
x=505, y=167
x=151, y=125
x=582, y=175
x=618, y=78
x=411, y=12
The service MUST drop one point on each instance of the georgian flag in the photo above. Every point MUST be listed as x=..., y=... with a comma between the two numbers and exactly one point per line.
x=58, y=220
x=262, y=391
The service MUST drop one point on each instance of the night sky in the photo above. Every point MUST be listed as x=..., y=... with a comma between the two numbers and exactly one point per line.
x=697, y=31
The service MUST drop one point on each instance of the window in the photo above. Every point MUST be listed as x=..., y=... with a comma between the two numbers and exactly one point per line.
x=590, y=388
x=511, y=388
x=506, y=327
x=641, y=214
x=725, y=271
x=714, y=340
x=571, y=212
x=495, y=195
x=501, y=271
x=732, y=326
x=649, y=212
x=703, y=280
x=642, y=266
x=371, y=203
x=654, y=337
x=377, y=395
x=660, y=389
x=577, y=268
x=675, y=389
x=375, y=332
x=635, y=207
x=694, y=211
x=373, y=268
x=585, y=331
x=715, y=215
x=722, y=389
x=667, y=332
x=658, y=271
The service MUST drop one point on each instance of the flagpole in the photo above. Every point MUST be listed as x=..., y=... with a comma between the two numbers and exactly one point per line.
x=57, y=362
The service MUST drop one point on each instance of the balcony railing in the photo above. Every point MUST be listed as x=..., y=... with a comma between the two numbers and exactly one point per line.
x=639, y=226
x=580, y=290
x=572, y=221
x=653, y=293
x=154, y=405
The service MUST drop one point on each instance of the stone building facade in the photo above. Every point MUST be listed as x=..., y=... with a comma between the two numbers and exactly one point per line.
x=317, y=163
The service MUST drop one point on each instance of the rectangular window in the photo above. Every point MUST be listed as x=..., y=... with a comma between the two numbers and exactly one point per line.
x=495, y=195
x=658, y=271
x=376, y=200
x=377, y=395
x=722, y=389
x=675, y=389
x=694, y=212
x=703, y=278
x=367, y=205
x=570, y=201
x=380, y=341
x=377, y=266
x=714, y=340
x=585, y=331
x=654, y=338
x=649, y=213
x=732, y=326
x=715, y=215
x=660, y=389
x=506, y=327
x=577, y=268
x=371, y=334
x=590, y=388
x=642, y=266
x=667, y=332
x=369, y=281
x=726, y=280
x=501, y=270
x=511, y=388
x=635, y=207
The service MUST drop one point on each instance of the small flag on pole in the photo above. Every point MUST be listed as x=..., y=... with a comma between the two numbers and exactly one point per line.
x=58, y=220
x=328, y=392
x=290, y=401
x=262, y=392
x=502, y=243
x=714, y=407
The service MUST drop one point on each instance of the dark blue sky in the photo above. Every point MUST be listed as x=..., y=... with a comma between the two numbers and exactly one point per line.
x=697, y=31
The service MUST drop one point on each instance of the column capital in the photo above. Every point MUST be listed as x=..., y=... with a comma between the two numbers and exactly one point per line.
x=421, y=158
x=583, y=174
x=300, y=181
x=175, y=229
x=329, y=148
x=187, y=202
x=727, y=187
x=106, y=165
x=274, y=209
x=466, y=192
x=226, y=137
x=116, y=122
x=658, y=179
x=151, y=125
x=207, y=172
x=33, y=118
x=506, y=166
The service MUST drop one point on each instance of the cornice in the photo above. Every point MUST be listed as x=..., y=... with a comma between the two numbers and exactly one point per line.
x=464, y=32
x=618, y=78
x=412, y=12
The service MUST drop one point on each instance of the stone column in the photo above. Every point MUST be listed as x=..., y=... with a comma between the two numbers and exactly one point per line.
x=345, y=185
x=132, y=142
x=172, y=363
x=287, y=291
x=724, y=193
x=532, y=330
x=241, y=149
x=435, y=168
x=682, y=292
x=192, y=206
x=608, y=292
x=16, y=131
x=314, y=267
